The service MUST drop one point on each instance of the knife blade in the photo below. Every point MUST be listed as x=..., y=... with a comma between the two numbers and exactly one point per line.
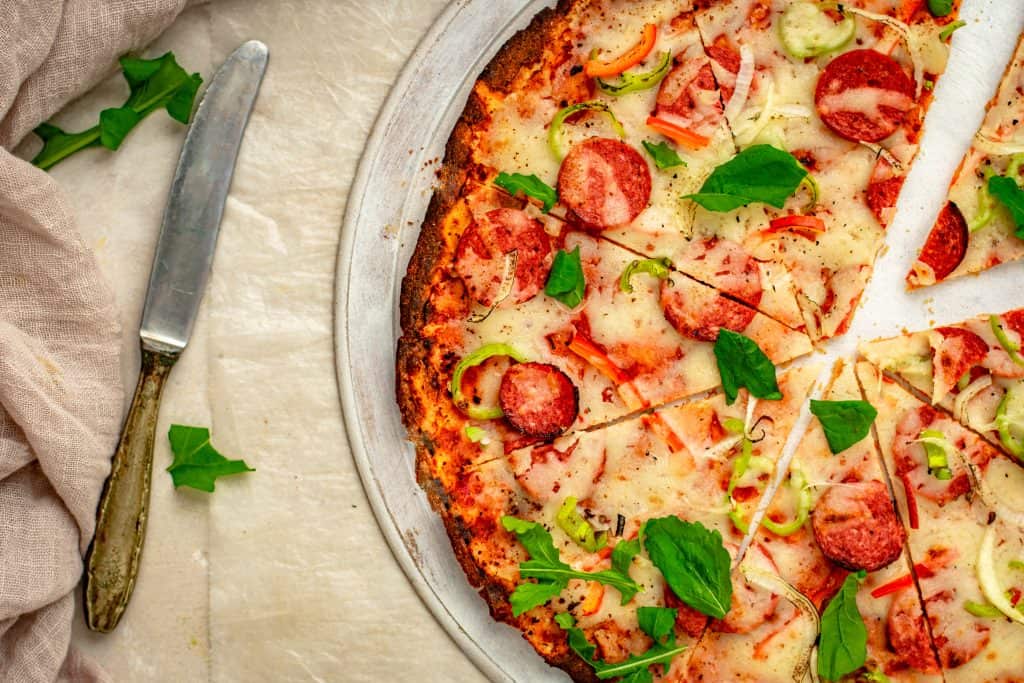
x=181, y=268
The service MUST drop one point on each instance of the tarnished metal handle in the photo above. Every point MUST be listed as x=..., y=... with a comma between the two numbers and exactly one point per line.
x=113, y=559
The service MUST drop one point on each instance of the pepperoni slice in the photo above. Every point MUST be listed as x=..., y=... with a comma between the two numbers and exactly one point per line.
x=604, y=182
x=480, y=255
x=856, y=526
x=699, y=312
x=538, y=399
x=882, y=196
x=724, y=265
x=912, y=462
x=864, y=95
x=956, y=351
x=908, y=638
x=959, y=637
x=688, y=97
x=1015, y=321
x=947, y=242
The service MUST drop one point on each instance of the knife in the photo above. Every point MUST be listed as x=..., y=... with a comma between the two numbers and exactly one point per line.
x=181, y=268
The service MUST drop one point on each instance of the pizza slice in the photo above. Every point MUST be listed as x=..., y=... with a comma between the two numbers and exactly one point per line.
x=833, y=517
x=981, y=224
x=974, y=370
x=844, y=90
x=962, y=501
x=595, y=494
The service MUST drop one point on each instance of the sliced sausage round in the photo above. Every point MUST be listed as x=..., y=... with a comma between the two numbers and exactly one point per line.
x=699, y=312
x=947, y=243
x=688, y=619
x=959, y=636
x=725, y=265
x=956, y=351
x=538, y=399
x=480, y=255
x=908, y=637
x=688, y=97
x=605, y=183
x=864, y=95
x=856, y=526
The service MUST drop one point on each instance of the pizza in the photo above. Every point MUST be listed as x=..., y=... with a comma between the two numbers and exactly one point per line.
x=648, y=217
x=976, y=228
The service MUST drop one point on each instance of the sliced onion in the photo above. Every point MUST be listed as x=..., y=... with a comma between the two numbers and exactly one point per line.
x=508, y=281
x=884, y=153
x=904, y=30
x=778, y=585
x=997, y=147
x=988, y=579
x=722, y=448
x=744, y=78
x=814, y=665
x=987, y=495
x=965, y=396
x=749, y=422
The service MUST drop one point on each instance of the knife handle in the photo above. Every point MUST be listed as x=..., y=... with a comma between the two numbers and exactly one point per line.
x=113, y=559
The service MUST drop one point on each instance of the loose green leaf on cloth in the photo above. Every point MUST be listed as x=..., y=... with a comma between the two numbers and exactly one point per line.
x=153, y=83
x=197, y=463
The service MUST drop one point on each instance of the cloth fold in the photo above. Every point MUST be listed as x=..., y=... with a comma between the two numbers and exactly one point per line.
x=61, y=397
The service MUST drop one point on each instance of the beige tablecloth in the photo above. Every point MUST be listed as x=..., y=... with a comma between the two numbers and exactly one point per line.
x=282, y=574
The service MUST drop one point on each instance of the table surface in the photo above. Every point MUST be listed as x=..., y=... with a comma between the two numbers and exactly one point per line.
x=282, y=574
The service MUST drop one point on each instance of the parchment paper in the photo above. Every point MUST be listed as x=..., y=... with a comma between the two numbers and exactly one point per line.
x=281, y=575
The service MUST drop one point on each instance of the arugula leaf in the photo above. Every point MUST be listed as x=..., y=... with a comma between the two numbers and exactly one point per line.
x=843, y=645
x=565, y=281
x=663, y=155
x=551, y=573
x=694, y=562
x=845, y=422
x=761, y=173
x=197, y=463
x=154, y=84
x=742, y=363
x=656, y=622
x=623, y=554
x=1009, y=193
x=530, y=185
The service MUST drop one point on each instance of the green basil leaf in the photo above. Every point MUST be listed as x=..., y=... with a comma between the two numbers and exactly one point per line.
x=742, y=363
x=565, y=281
x=940, y=8
x=197, y=464
x=657, y=622
x=529, y=185
x=845, y=422
x=154, y=84
x=663, y=155
x=1009, y=193
x=694, y=562
x=843, y=645
x=115, y=125
x=761, y=173
x=551, y=573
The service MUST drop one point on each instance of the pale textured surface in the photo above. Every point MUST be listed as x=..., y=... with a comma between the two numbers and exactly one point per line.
x=282, y=574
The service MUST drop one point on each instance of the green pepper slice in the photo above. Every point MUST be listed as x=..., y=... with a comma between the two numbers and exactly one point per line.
x=807, y=31
x=634, y=82
x=473, y=359
x=1006, y=420
x=579, y=529
x=555, y=130
x=658, y=267
x=1012, y=349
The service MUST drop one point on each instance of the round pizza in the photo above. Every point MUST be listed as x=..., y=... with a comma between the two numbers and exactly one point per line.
x=646, y=212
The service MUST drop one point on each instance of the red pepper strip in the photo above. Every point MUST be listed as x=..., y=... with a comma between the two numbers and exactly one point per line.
x=807, y=226
x=911, y=501
x=631, y=57
x=590, y=352
x=905, y=581
x=1015, y=595
x=678, y=134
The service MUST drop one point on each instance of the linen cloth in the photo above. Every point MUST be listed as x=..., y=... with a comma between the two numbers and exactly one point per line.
x=61, y=398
